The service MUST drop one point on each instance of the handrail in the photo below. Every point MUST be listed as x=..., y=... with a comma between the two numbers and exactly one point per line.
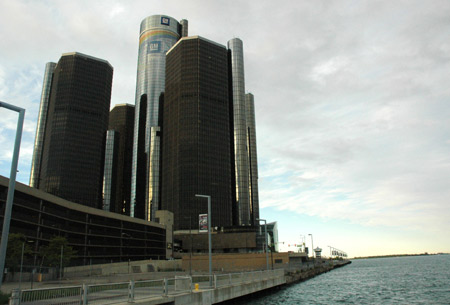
x=122, y=292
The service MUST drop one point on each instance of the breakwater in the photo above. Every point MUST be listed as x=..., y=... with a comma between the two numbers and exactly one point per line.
x=294, y=275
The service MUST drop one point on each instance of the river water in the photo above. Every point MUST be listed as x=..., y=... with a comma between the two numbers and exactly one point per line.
x=394, y=280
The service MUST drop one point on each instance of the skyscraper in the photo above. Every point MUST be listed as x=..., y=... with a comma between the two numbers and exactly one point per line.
x=242, y=209
x=252, y=157
x=110, y=177
x=69, y=151
x=40, y=129
x=196, y=133
x=117, y=172
x=158, y=34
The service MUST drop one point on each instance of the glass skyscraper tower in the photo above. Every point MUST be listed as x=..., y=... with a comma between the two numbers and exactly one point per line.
x=117, y=171
x=252, y=157
x=243, y=210
x=42, y=120
x=72, y=123
x=158, y=34
x=197, y=138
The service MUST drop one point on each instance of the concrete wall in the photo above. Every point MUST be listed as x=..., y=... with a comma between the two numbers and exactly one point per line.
x=166, y=219
x=235, y=262
x=221, y=294
x=220, y=241
x=51, y=274
x=123, y=268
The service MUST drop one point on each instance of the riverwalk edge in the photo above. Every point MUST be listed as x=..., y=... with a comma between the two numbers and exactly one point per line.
x=247, y=289
x=295, y=276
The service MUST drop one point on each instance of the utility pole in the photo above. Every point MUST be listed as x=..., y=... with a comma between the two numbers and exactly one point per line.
x=11, y=186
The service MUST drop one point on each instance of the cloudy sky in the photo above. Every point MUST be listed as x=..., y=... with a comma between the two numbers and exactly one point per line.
x=352, y=104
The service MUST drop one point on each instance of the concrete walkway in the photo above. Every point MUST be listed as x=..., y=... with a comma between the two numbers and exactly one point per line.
x=8, y=286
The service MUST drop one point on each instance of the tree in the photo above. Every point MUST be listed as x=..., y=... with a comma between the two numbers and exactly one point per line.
x=14, y=251
x=51, y=254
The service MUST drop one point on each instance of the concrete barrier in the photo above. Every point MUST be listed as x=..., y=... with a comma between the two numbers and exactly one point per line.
x=122, y=268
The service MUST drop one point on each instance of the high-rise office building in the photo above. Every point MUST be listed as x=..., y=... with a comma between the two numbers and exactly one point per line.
x=109, y=171
x=69, y=151
x=252, y=157
x=242, y=210
x=40, y=129
x=196, y=133
x=158, y=34
x=117, y=172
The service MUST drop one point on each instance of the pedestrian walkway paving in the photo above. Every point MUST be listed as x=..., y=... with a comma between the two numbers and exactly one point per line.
x=8, y=286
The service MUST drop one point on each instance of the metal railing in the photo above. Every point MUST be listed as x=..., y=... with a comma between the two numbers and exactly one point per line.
x=68, y=295
x=123, y=292
x=203, y=281
x=147, y=289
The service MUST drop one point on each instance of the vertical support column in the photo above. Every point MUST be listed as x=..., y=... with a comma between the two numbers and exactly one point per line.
x=84, y=294
x=166, y=287
x=15, y=297
x=131, y=291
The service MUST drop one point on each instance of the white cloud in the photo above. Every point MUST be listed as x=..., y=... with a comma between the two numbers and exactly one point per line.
x=328, y=68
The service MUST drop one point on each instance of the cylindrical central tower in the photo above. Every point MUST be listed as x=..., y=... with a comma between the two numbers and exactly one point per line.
x=158, y=34
x=252, y=158
x=40, y=130
x=240, y=133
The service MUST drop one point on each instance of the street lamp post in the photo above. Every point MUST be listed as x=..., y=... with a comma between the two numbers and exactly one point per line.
x=209, y=234
x=312, y=246
x=302, y=241
x=61, y=264
x=21, y=265
x=11, y=186
x=265, y=236
x=190, y=252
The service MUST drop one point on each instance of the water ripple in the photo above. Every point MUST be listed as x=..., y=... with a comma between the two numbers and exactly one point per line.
x=396, y=280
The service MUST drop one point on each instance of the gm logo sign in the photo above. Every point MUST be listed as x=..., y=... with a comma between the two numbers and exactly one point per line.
x=165, y=20
x=154, y=47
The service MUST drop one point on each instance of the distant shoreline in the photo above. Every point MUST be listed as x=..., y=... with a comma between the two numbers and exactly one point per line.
x=398, y=255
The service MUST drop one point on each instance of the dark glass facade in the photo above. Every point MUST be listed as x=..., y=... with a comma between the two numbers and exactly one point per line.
x=77, y=120
x=242, y=202
x=97, y=236
x=109, y=175
x=196, y=133
x=252, y=157
x=40, y=129
x=121, y=121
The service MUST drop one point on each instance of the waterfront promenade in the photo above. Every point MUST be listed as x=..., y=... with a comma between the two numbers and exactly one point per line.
x=165, y=287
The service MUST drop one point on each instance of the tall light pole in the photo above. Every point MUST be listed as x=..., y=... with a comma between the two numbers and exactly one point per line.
x=11, y=186
x=61, y=263
x=265, y=235
x=302, y=240
x=312, y=246
x=209, y=234
x=21, y=265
